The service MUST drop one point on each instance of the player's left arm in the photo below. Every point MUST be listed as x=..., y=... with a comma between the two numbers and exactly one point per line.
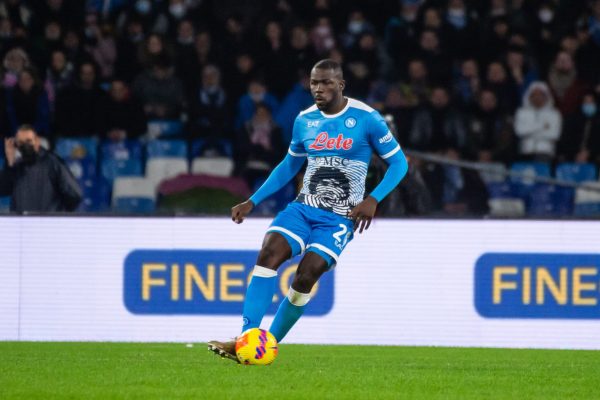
x=387, y=147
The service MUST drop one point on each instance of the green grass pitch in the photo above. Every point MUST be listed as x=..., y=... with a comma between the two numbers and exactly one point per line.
x=174, y=371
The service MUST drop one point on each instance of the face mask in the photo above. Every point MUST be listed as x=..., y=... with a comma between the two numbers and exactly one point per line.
x=143, y=6
x=355, y=27
x=457, y=18
x=27, y=152
x=588, y=109
x=257, y=97
x=545, y=15
x=177, y=10
x=189, y=40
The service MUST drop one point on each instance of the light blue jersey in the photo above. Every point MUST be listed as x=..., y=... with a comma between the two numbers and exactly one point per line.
x=339, y=149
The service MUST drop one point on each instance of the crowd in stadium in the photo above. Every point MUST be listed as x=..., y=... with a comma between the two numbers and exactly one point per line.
x=489, y=81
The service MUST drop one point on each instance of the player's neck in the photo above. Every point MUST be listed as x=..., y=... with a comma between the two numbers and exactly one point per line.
x=337, y=106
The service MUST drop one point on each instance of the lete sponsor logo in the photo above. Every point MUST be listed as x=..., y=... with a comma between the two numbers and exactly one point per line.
x=532, y=285
x=324, y=142
x=206, y=282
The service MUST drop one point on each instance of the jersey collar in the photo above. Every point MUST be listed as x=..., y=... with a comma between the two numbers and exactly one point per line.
x=339, y=113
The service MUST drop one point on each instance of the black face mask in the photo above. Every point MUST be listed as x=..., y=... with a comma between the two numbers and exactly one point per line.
x=27, y=152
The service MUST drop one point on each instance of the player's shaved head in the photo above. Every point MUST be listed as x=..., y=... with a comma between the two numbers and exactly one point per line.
x=329, y=64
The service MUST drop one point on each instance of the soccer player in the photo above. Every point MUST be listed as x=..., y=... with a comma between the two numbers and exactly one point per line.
x=337, y=135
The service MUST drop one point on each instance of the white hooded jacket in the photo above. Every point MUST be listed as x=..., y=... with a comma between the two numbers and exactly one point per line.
x=538, y=128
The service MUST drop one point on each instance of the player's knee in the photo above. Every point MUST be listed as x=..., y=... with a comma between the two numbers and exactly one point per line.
x=270, y=257
x=306, y=277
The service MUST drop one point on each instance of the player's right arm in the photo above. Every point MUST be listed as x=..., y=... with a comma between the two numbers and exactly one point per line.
x=281, y=175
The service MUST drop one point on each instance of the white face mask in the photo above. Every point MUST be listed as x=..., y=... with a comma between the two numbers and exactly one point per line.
x=177, y=10
x=545, y=15
x=355, y=27
x=143, y=6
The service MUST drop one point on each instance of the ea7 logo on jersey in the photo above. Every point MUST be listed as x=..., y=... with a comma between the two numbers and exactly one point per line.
x=313, y=124
x=387, y=138
x=324, y=142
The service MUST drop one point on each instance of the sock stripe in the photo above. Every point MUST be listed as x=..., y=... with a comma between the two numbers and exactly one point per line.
x=297, y=298
x=263, y=272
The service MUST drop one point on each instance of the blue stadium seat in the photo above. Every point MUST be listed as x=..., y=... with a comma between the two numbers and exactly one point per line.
x=500, y=190
x=4, y=204
x=96, y=195
x=84, y=168
x=164, y=128
x=134, y=205
x=77, y=148
x=223, y=147
x=167, y=148
x=549, y=201
x=576, y=172
x=112, y=168
x=124, y=150
x=522, y=186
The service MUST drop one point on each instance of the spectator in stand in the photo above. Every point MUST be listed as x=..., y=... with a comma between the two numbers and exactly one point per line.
x=79, y=107
x=438, y=126
x=153, y=49
x=129, y=42
x=363, y=64
x=14, y=62
x=101, y=46
x=303, y=53
x=240, y=77
x=298, y=99
x=437, y=61
x=74, y=49
x=538, y=124
x=275, y=54
x=209, y=114
x=322, y=36
x=357, y=25
x=401, y=35
x=260, y=145
x=467, y=84
x=27, y=103
x=416, y=89
x=185, y=56
x=580, y=139
x=505, y=89
x=496, y=38
x=123, y=116
x=491, y=136
x=18, y=12
x=257, y=93
x=38, y=181
x=460, y=30
x=565, y=85
x=520, y=69
x=160, y=91
x=43, y=46
x=59, y=75
x=544, y=30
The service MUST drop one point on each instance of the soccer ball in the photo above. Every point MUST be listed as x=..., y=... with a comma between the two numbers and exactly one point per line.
x=256, y=347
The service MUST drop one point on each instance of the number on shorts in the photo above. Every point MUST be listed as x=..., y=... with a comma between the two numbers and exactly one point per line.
x=342, y=232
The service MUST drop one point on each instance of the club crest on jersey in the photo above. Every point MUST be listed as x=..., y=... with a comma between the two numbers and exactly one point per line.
x=350, y=122
x=324, y=142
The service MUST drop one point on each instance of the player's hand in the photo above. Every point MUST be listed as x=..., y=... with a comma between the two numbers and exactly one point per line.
x=10, y=150
x=239, y=212
x=363, y=213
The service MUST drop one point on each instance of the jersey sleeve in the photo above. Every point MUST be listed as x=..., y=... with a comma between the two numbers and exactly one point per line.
x=296, y=148
x=380, y=137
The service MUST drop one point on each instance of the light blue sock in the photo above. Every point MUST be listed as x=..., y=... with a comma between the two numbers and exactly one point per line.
x=259, y=296
x=289, y=312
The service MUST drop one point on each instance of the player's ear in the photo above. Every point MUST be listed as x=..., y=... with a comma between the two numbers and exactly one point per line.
x=342, y=84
